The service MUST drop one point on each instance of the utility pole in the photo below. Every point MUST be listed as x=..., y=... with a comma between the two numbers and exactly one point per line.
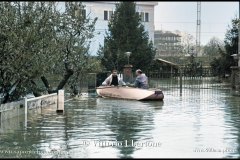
x=239, y=35
x=198, y=30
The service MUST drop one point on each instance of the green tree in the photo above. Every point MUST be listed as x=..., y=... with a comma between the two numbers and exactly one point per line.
x=36, y=41
x=126, y=34
x=221, y=66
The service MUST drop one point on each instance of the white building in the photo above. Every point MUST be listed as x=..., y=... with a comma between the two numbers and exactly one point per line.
x=104, y=9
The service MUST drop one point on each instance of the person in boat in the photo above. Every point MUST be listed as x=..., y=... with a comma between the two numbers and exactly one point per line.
x=113, y=80
x=141, y=80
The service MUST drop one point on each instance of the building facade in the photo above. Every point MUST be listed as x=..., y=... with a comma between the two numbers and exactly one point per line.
x=104, y=9
x=167, y=43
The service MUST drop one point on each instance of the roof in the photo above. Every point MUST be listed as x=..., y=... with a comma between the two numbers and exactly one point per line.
x=165, y=34
x=144, y=3
x=150, y=3
x=168, y=62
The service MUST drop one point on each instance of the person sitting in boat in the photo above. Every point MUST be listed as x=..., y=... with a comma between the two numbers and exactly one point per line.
x=141, y=80
x=113, y=80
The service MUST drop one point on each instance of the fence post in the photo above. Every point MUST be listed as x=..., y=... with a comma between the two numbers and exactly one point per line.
x=127, y=73
x=0, y=119
x=60, y=100
x=26, y=110
x=180, y=81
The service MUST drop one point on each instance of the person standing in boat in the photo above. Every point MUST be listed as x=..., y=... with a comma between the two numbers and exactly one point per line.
x=113, y=80
x=141, y=80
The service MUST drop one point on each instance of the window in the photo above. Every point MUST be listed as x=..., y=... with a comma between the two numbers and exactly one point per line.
x=142, y=16
x=80, y=13
x=105, y=15
x=110, y=14
x=146, y=17
x=84, y=13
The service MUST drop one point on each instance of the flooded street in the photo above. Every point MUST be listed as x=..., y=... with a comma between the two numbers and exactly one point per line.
x=200, y=123
x=116, y=79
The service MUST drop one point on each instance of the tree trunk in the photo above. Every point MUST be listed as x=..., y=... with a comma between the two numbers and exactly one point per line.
x=46, y=84
x=68, y=73
x=6, y=97
x=12, y=89
x=35, y=90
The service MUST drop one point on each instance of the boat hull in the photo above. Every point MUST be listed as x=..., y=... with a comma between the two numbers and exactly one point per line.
x=129, y=93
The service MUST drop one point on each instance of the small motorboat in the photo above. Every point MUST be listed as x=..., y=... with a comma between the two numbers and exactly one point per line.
x=131, y=93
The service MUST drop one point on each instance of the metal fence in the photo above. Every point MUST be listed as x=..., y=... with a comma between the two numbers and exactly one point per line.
x=88, y=83
x=177, y=80
x=183, y=80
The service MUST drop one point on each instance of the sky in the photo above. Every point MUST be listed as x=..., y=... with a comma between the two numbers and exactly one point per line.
x=182, y=16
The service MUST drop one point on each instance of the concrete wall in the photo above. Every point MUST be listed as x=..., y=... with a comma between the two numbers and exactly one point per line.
x=235, y=78
x=12, y=115
x=9, y=116
x=42, y=101
x=10, y=110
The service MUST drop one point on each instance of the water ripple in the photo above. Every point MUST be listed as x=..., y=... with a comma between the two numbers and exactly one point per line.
x=181, y=125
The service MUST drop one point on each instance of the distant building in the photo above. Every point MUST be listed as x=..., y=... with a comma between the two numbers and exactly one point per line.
x=167, y=43
x=104, y=9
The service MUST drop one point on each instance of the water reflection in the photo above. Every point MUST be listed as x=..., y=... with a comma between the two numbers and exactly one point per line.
x=199, y=119
x=232, y=121
x=130, y=121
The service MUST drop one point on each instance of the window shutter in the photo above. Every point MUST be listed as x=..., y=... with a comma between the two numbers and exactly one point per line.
x=146, y=17
x=105, y=15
